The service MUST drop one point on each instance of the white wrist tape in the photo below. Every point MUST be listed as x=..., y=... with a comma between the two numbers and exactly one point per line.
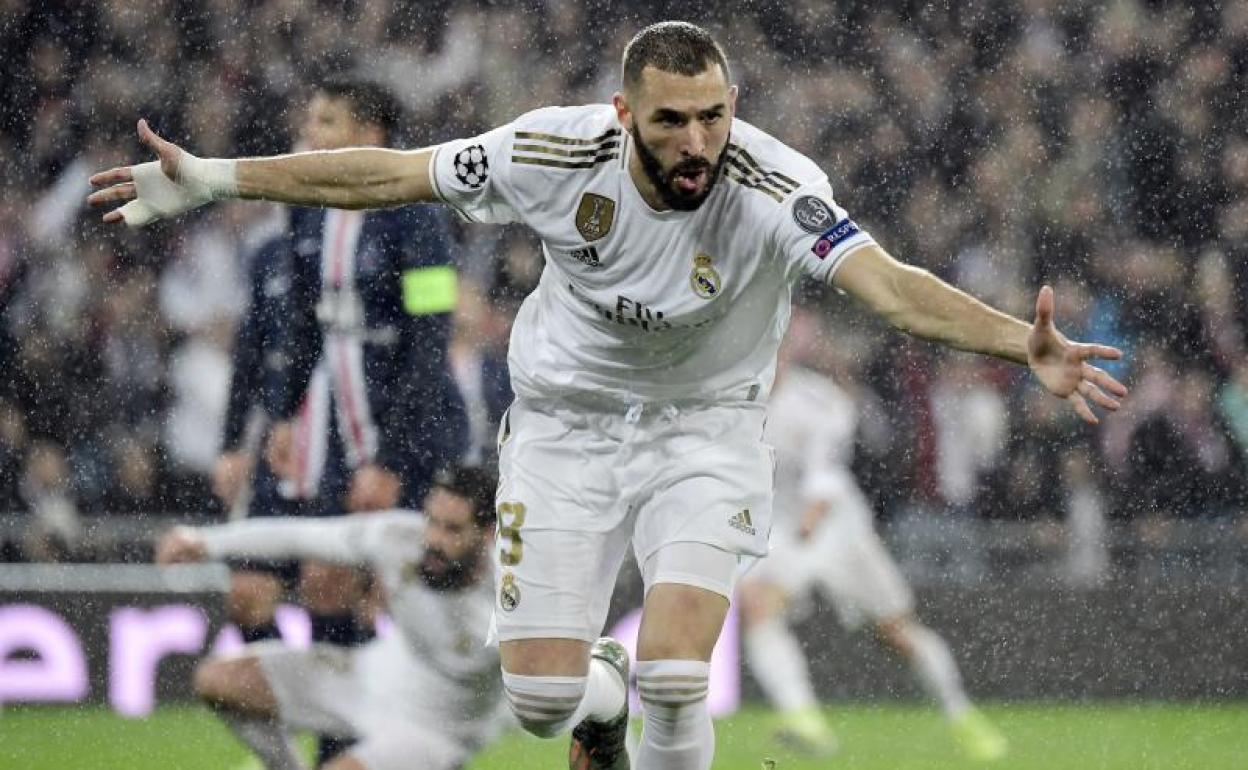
x=158, y=197
x=216, y=174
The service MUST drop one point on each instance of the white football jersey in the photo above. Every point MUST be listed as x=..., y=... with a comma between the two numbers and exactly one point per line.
x=445, y=630
x=642, y=305
x=811, y=423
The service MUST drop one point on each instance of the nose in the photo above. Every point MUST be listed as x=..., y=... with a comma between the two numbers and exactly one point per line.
x=693, y=144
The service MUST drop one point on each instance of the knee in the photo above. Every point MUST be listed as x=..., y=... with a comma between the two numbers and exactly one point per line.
x=544, y=705
x=760, y=602
x=897, y=633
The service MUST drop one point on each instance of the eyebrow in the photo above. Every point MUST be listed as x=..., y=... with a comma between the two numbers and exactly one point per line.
x=664, y=113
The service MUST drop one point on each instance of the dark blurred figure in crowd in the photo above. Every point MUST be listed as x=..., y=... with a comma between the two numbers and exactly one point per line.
x=242, y=478
x=368, y=411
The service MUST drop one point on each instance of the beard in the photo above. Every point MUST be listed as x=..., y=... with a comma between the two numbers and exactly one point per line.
x=665, y=181
x=448, y=574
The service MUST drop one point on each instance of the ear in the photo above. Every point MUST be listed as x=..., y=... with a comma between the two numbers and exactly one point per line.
x=732, y=101
x=622, y=111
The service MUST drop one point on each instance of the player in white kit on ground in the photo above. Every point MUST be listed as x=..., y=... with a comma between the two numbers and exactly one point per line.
x=427, y=696
x=673, y=235
x=823, y=535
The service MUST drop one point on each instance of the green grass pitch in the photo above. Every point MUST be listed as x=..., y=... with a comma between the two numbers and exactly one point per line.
x=896, y=737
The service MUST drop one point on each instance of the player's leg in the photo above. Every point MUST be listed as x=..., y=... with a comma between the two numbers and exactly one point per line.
x=933, y=665
x=776, y=659
x=687, y=590
x=238, y=691
x=707, y=514
x=256, y=587
x=866, y=583
x=561, y=541
x=554, y=684
x=252, y=602
x=333, y=594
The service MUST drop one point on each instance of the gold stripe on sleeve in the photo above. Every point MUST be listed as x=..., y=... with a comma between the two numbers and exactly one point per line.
x=555, y=139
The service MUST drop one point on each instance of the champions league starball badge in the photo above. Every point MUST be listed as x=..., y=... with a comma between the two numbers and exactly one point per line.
x=472, y=168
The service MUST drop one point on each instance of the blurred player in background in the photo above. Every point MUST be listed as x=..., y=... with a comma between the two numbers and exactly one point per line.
x=673, y=235
x=823, y=535
x=368, y=411
x=426, y=696
x=242, y=478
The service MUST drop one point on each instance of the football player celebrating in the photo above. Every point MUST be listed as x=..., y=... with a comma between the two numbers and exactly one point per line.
x=673, y=234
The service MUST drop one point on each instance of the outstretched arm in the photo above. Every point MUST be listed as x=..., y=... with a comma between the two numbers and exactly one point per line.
x=344, y=540
x=918, y=302
x=178, y=181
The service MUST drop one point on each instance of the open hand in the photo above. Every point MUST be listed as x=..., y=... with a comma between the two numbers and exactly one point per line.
x=1062, y=365
x=173, y=183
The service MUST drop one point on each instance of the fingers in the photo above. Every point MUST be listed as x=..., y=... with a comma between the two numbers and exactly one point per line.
x=1098, y=396
x=1082, y=409
x=1102, y=379
x=1044, y=308
x=1098, y=351
x=112, y=176
x=125, y=191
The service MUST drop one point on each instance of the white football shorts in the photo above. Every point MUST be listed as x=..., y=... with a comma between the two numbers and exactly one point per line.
x=688, y=485
x=847, y=559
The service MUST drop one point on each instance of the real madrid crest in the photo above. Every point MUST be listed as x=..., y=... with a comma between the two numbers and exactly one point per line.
x=594, y=216
x=705, y=282
x=509, y=593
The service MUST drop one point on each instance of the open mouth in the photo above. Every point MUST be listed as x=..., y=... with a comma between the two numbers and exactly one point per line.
x=689, y=181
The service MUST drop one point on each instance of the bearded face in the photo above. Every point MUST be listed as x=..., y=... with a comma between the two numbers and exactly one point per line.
x=684, y=186
x=680, y=125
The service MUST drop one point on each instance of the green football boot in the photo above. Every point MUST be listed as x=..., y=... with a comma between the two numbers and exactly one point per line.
x=978, y=738
x=807, y=732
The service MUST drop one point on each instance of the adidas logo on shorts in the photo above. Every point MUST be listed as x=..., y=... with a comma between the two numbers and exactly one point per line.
x=741, y=520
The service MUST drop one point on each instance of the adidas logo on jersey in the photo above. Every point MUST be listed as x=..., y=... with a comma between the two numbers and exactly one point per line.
x=587, y=256
x=741, y=520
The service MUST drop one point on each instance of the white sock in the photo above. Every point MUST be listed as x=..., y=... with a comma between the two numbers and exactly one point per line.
x=677, y=733
x=779, y=666
x=936, y=670
x=551, y=705
x=266, y=737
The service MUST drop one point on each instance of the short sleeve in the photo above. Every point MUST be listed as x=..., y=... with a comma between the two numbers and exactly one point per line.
x=814, y=235
x=471, y=176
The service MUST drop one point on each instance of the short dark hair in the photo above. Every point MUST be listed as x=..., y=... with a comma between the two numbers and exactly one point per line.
x=672, y=46
x=371, y=102
x=476, y=485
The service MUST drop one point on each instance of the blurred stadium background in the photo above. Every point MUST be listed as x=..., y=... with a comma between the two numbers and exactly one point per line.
x=1100, y=146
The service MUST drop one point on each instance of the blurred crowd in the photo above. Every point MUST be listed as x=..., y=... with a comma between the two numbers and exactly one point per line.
x=1099, y=147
